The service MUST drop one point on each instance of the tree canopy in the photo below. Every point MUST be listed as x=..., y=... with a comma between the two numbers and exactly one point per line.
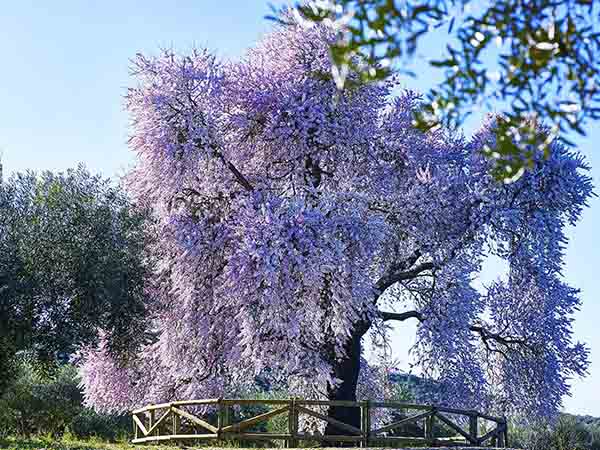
x=291, y=225
x=71, y=262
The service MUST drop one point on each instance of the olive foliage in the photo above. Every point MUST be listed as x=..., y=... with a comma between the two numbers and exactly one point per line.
x=71, y=263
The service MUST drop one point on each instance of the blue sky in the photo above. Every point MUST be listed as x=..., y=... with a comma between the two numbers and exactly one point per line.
x=65, y=69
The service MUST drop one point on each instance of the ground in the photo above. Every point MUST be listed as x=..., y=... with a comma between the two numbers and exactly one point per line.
x=68, y=444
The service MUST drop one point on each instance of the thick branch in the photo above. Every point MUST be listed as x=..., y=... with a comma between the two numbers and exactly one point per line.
x=236, y=173
x=401, y=316
x=240, y=178
x=389, y=279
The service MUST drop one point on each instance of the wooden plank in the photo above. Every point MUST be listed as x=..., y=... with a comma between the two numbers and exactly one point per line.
x=226, y=414
x=135, y=428
x=446, y=442
x=456, y=428
x=505, y=433
x=150, y=419
x=206, y=401
x=337, y=423
x=254, y=420
x=220, y=417
x=500, y=441
x=172, y=437
x=365, y=423
x=348, y=404
x=176, y=423
x=140, y=425
x=194, y=419
x=259, y=436
x=399, y=440
x=406, y=420
x=247, y=401
x=473, y=426
x=292, y=425
x=330, y=437
x=399, y=405
x=462, y=412
x=368, y=420
x=396, y=405
x=428, y=428
x=151, y=408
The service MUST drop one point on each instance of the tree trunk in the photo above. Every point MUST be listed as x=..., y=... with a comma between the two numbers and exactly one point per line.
x=347, y=370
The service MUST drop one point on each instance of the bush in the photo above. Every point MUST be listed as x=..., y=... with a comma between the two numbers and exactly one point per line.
x=89, y=423
x=37, y=402
x=567, y=434
x=42, y=401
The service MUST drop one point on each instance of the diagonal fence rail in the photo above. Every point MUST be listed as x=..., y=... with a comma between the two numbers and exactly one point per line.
x=209, y=419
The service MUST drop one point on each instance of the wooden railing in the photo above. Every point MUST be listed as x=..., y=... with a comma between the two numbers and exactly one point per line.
x=174, y=421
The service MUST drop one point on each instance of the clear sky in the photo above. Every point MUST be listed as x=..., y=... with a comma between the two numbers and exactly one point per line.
x=64, y=72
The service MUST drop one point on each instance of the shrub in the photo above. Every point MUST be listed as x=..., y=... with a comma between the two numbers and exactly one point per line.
x=38, y=402
x=89, y=423
x=42, y=401
x=567, y=434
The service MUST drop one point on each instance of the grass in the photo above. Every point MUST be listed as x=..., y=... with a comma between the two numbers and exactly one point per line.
x=49, y=443
x=69, y=443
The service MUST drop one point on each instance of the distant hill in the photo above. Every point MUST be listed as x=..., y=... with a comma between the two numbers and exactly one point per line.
x=405, y=378
x=414, y=383
x=588, y=421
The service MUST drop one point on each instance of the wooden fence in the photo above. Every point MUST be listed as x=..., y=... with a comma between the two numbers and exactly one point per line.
x=180, y=420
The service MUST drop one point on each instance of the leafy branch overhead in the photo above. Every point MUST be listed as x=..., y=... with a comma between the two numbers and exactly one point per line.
x=533, y=61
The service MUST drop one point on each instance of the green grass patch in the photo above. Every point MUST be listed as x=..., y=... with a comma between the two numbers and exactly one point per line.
x=48, y=443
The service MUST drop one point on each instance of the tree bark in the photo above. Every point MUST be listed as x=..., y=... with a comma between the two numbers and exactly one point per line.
x=347, y=370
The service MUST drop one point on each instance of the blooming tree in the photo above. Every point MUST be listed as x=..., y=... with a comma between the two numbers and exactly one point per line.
x=295, y=219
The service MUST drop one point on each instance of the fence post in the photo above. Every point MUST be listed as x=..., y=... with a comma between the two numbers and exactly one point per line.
x=365, y=422
x=227, y=415
x=429, y=425
x=135, y=427
x=500, y=441
x=473, y=425
x=220, y=417
x=176, y=422
x=292, y=425
x=151, y=414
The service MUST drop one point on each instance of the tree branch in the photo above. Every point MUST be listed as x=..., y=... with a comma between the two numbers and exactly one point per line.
x=387, y=280
x=385, y=315
x=488, y=335
x=241, y=179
